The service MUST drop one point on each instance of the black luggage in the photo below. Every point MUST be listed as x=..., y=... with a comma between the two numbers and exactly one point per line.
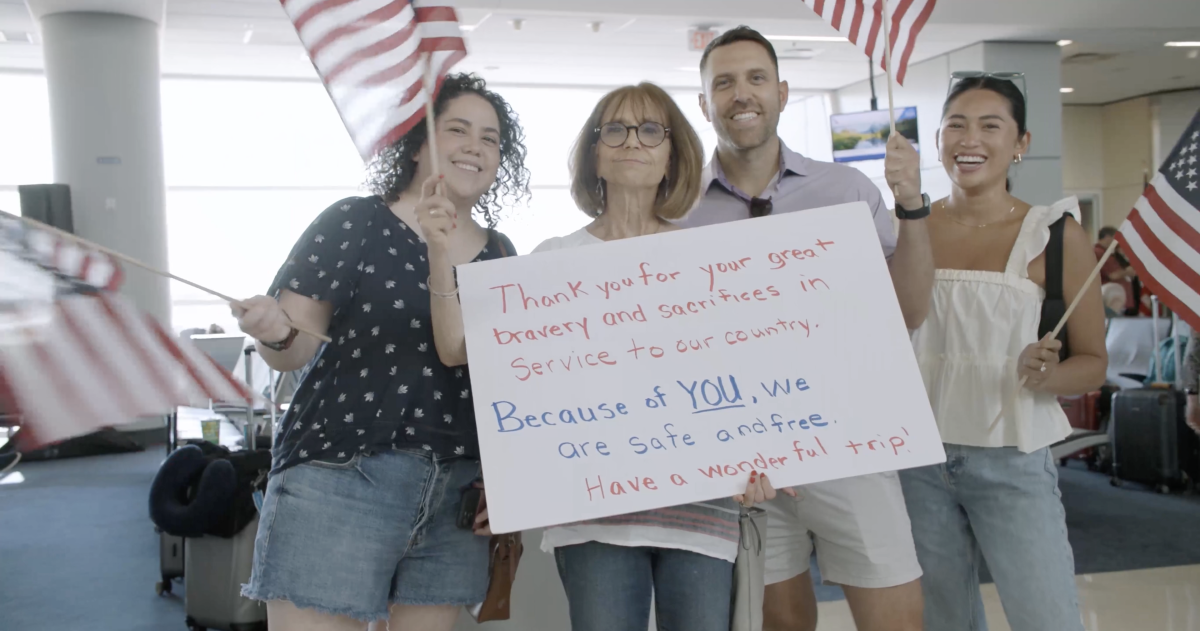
x=1151, y=442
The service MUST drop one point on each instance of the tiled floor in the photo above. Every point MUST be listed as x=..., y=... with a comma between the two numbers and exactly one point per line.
x=1161, y=599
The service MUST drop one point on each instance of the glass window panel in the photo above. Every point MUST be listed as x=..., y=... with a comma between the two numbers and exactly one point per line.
x=25, y=130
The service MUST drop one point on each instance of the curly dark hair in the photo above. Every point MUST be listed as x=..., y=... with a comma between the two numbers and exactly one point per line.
x=392, y=170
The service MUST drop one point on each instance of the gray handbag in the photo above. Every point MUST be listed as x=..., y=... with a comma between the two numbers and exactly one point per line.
x=749, y=571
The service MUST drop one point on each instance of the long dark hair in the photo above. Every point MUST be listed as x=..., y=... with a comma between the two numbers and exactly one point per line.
x=392, y=170
x=1003, y=87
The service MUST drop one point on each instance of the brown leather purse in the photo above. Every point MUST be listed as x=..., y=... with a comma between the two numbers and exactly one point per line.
x=505, y=555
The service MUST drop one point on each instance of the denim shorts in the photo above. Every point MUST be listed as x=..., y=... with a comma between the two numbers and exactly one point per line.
x=349, y=539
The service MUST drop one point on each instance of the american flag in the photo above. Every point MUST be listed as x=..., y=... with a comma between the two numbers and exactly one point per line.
x=861, y=22
x=1161, y=235
x=85, y=362
x=69, y=259
x=369, y=55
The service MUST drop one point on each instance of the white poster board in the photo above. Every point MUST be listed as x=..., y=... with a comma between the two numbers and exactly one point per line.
x=661, y=370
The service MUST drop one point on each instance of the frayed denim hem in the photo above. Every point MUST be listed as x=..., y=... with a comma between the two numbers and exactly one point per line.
x=312, y=605
x=426, y=602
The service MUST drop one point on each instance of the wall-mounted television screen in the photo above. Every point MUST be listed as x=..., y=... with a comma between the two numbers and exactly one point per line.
x=863, y=135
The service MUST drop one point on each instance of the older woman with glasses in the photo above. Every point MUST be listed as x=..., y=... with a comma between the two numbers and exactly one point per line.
x=636, y=166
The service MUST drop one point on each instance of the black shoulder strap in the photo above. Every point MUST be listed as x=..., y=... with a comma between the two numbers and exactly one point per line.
x=506, y=247
x=1054, y=260
x=1054, y=306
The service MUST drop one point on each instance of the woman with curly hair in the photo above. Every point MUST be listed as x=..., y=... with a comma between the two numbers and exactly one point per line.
x=374, y=454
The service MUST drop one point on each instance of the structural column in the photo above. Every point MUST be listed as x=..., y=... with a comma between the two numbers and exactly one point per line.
x=102, y=71
x=1039, y=178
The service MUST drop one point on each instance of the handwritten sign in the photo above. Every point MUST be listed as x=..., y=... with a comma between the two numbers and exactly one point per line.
x=661, y=370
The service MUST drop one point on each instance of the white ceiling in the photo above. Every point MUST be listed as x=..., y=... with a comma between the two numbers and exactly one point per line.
x=647, y=39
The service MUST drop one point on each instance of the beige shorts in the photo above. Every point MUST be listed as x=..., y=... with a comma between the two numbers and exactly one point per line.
x=858, y=525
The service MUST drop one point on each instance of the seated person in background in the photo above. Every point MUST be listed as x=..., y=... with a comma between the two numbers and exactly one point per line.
x=636, y=166
x=996, y=497
x=1113, y=295
x=1116, y=269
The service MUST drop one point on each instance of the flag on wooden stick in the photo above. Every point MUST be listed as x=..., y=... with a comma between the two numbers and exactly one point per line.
x=75, y=358
x=861, y=22
x=1161, y=235
x=369, y=55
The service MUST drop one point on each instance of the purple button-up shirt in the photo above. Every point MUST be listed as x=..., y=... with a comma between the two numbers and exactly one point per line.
x=801, y=184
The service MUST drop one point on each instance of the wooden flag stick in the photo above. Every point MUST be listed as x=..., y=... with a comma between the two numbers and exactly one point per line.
x=1063, y=321
x=37, y=225
x=887, y=68
x=887, y=61
x=430, y=123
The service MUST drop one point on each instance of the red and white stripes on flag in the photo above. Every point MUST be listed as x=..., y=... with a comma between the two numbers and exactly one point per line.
x=1161, y=235
x=861, y=21
x=70, y=259
x=87, y=362
x=369, y=53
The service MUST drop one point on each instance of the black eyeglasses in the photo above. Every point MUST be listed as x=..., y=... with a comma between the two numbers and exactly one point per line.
x=760, y=207
x=649, y=134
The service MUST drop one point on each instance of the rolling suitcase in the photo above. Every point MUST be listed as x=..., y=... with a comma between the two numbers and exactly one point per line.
x=170, y=556
x=1151, y=442
x=216, y=569
x=170, y=547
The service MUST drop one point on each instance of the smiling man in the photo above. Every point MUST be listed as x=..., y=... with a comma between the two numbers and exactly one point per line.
x=862, y=534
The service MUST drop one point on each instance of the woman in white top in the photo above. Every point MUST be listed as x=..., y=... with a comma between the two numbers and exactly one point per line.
x=996, y=497
x=636, y=165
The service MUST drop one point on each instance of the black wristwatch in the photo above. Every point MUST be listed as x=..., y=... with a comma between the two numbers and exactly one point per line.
x=919, y=213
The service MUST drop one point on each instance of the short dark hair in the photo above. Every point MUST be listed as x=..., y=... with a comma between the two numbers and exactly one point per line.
x=1108, y=231
x=392, y=170
x=740, y=34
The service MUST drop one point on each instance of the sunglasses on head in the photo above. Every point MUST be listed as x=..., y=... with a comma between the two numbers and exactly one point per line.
x=1017, y=78
x=760, y=207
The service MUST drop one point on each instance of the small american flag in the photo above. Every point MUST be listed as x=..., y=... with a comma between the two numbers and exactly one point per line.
x=66, y=258
x=368, y=54
x=1161, y=235
x=75, y=358
x=861, y=22
x=84, y=362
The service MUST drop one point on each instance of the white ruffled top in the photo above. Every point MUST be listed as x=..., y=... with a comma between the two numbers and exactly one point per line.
x=967, y=349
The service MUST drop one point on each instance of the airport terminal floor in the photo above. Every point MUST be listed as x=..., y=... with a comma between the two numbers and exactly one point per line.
x=77, y=552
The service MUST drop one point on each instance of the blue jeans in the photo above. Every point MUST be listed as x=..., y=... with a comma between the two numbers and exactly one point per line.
x=1004, y=506
x=609, y=588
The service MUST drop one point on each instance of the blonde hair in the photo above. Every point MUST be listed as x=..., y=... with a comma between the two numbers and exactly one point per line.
x=681, y=189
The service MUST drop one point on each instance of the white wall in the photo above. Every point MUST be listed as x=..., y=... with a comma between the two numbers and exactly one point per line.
x=1083, y=147
x=1174, y=112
